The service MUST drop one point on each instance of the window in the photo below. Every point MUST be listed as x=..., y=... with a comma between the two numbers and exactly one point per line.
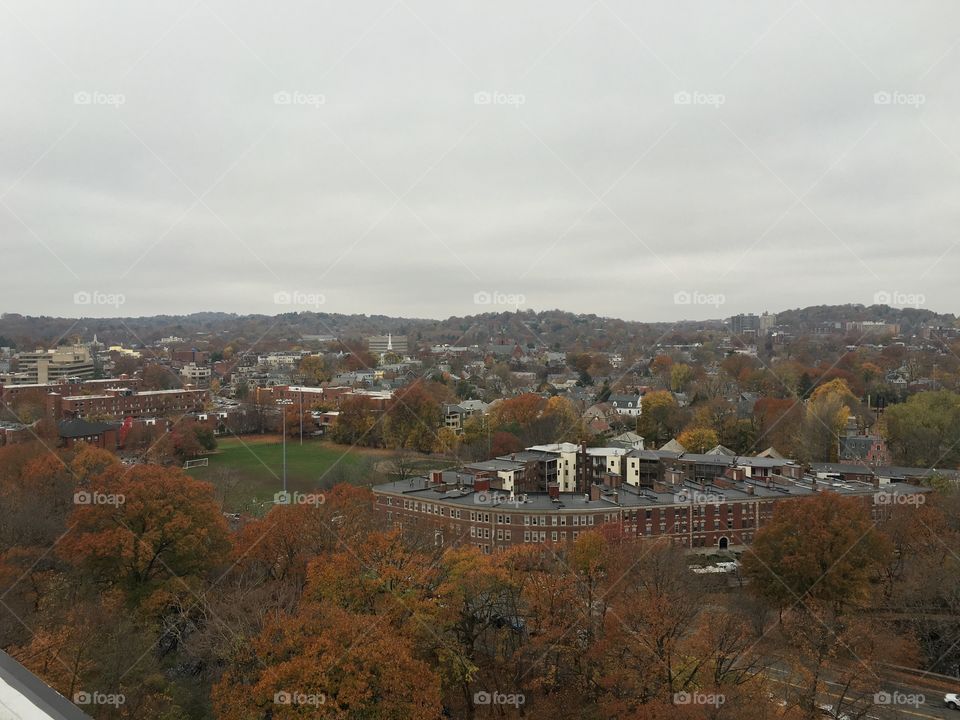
x=526, y=536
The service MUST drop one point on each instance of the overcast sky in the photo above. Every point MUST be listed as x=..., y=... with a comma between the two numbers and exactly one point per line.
x=651, y=161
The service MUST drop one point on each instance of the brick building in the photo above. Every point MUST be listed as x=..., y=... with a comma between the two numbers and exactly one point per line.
x=123, y=402
x=682, y=503
x=10, y=394
x=100, y=434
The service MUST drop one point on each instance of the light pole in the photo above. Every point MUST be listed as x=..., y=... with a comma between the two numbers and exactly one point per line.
x=283, y=415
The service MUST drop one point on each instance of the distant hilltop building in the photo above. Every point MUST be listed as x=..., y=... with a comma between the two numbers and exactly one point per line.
x=751, y=324
x=382, y=344
x=873, y=328
x=45, y=366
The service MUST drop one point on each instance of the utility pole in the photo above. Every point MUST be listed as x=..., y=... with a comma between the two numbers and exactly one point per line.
x=283, y=413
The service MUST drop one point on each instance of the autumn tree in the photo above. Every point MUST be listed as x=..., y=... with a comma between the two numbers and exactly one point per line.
x=519, y=411
x=313, y=369
x=412, y=419
x=680, y=376
x=823, y=548
x=358, y=422
x=925, y=430
x=824, y=420
x=158, y=377
x=698, y=439
x=328, y=661
x=138, y=528
x=662, y=417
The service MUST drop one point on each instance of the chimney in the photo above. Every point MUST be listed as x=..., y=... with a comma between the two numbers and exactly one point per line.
x=594, y=492
x=673, y=477
x=481, y=484
x=437, y=477
x=751, y=490
x=553, y=489
x=735, y=473
x=616, y=497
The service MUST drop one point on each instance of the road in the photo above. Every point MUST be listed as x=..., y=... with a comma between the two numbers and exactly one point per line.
x=932, y=707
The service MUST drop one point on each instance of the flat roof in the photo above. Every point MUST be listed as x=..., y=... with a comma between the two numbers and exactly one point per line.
x=27, y=696
x=627, y=496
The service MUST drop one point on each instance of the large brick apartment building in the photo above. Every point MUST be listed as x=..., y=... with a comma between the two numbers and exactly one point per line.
x=120, y=402
x=696, y=501
x=10, y=394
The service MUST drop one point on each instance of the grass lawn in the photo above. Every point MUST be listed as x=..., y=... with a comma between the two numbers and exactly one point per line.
x=248, y=471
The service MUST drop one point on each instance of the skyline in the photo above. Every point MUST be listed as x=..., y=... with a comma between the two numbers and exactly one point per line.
x=495, y=311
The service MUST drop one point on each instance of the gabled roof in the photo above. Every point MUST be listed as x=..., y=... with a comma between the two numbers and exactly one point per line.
x=674, y=446
x=721, y=450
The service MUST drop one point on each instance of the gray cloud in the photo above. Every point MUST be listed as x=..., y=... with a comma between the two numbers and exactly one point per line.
x=399, y=157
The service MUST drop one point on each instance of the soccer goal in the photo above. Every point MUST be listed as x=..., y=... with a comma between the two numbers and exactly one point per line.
x=201, y=462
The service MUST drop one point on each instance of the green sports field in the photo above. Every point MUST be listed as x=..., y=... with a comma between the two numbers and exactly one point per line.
x=248, y=471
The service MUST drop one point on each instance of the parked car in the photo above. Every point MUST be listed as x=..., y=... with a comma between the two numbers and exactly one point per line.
x=952, y=700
